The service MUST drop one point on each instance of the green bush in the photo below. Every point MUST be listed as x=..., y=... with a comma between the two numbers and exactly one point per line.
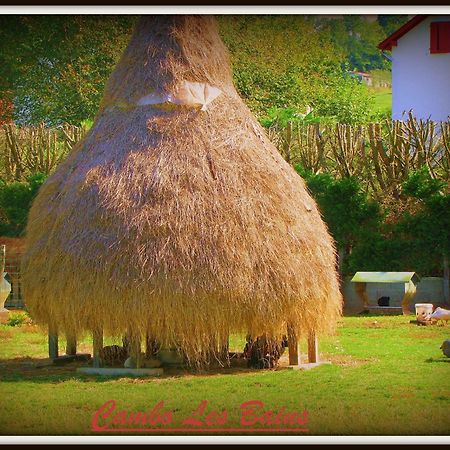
x=282, y=116
x=16, y=319
x=288, y=63
x=15, y=202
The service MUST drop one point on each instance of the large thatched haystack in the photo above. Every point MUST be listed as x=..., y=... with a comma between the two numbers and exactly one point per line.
x=180, y=222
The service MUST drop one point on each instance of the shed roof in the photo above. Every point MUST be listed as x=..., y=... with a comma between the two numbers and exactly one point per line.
x=385, y=277
x=391, y=41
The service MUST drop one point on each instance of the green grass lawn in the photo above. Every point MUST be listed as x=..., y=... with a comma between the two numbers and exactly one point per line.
x=382, y=101
x=388, y=377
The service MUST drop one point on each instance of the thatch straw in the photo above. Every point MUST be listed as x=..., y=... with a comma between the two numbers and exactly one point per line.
x=182, y=223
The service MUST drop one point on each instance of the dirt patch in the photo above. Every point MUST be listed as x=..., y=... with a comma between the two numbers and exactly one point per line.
x=403, y=392
x=347, y=360
x=30, y=368
x=422, y=335
x=373, y=324
x=6, y=335
x=386, y=322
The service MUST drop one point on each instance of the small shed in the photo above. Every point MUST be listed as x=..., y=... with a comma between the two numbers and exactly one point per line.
x=409, y=279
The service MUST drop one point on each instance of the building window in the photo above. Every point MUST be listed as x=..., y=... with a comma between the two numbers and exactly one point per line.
x=440, y=37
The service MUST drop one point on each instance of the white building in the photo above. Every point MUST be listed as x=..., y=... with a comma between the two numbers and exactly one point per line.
x=421, y=67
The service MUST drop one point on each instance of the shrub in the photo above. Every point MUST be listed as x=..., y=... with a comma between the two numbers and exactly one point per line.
x=15, y=202
x=16, y=319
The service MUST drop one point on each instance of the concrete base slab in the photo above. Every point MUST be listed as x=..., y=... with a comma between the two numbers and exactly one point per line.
x=112, y=371
x=387, y=310
x=44, y=362
x=308, y=366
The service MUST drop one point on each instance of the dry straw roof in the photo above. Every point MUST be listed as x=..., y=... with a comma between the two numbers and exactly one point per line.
x=170, y=220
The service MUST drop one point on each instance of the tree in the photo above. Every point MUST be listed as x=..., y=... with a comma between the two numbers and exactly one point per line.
x=56, y=66
x=347, y=211
x=358, y=38
x=290, y=62
x=428, y=225
x=6, y=108
x=15, y=202
x=391, y=22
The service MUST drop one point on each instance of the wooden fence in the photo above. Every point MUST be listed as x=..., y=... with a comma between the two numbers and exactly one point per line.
x=28, y=150
x=379, y=154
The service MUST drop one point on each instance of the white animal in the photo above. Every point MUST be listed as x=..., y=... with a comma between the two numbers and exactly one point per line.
x=440, y=314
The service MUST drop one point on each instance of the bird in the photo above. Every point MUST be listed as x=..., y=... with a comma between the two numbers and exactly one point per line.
x=440, y=314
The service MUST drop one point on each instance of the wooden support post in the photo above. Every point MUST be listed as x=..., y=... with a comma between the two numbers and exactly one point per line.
x=135, y=350
x=97, y=337
x=126, y=342
x=152, y=346
x=225, y=347
x=293, y=346
x=224, y=351
x=71, y=347
x=52, y=343
x=313, y=348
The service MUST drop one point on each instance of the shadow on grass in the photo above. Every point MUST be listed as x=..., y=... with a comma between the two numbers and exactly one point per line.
x=438, y=360
x=38, y=370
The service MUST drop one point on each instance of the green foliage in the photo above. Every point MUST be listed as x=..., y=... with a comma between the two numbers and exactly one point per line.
x=56, y=66
x=358, y=37
x=391, y=22
x=421, y=185
x=416, y=242
x=428, y=226
x=420, y=237
x=288, y=63
x=15, y=202
x=16, y=319
x=282, y=116
x=345, y=100
x=351, y=217
x=375, y=251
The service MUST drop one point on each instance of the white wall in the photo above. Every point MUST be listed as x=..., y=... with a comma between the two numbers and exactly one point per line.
x=420, y=80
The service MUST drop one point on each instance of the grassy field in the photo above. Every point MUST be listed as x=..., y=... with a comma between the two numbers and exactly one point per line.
x=382, y=101
x=388, y=377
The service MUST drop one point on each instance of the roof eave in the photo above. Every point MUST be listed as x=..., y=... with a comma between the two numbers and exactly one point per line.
x=391, y=41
